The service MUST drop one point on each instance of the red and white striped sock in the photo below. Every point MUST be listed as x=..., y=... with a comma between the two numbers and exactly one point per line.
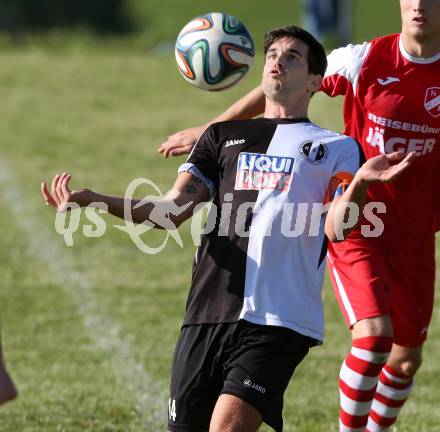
x=392, y=392
x=358, y=380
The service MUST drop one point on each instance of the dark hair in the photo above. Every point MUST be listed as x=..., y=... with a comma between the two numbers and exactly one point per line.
x=316, y=58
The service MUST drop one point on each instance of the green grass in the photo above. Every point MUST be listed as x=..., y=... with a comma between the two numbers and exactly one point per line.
x=100, y=111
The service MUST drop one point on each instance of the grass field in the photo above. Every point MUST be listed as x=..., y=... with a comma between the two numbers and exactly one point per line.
x=89, y=331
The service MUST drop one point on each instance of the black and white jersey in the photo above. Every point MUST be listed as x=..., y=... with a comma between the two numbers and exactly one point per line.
x=262, y=258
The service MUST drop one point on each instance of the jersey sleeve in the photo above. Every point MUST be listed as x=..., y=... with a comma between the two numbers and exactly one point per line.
x=350, y=160
x=344, y=67
x=203, y=161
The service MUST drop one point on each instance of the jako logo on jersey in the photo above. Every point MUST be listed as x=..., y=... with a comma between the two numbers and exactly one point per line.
x=257, y=171
x=387, y=80
x=230, y=143
x=248, y=383
x=314, y=151
x=432, y=101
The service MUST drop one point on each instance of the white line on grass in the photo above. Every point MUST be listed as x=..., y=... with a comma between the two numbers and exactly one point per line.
x=150, y=395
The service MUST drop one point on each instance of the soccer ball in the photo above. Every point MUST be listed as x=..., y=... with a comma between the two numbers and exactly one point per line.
x=214, y=51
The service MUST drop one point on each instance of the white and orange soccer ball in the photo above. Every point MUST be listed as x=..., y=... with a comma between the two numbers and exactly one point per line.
x=214, y=51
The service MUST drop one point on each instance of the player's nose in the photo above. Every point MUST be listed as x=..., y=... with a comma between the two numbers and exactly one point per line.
x=280, y=62
x=418, y=5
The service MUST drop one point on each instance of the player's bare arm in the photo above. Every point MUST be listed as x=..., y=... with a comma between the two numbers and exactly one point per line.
x=183, y=141
x=380, y=169
x=172, y=210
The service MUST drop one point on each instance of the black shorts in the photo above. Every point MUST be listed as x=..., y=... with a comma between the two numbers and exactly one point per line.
x=253, y=362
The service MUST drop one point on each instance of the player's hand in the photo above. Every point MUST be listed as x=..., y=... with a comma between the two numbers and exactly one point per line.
x=60, y=195
x=386, y=168
x=181, y=142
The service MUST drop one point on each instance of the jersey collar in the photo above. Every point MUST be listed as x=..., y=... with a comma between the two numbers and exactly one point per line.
x=287, y=120
x=413, y=59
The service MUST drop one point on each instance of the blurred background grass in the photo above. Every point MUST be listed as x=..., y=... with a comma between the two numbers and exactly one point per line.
x=154, y=24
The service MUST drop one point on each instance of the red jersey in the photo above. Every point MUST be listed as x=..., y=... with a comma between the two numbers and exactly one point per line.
x=392, y=102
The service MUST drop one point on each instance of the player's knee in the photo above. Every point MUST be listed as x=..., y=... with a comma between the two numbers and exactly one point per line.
x=236, y=427
x=409, y=367
x=233, y=414
x=234, y=424
x=373, y=327
x=226, y=426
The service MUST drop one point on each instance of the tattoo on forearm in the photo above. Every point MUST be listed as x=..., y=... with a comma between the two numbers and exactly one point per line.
x=191, y=188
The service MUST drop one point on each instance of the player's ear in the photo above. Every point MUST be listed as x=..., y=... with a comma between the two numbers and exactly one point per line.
x=315, y=82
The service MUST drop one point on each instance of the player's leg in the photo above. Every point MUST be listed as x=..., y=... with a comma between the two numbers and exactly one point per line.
x=362, y=298
x=412, y=299
x=360, y=371
x=257, y=372
x=394, y=387
x=405, y=360
x=7, y=387
x=345, y=22
x=196, y=377
x=313, y=17
x=411, y=303
x=232, y=414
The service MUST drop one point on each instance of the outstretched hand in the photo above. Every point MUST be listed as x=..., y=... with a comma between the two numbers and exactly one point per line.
x=387, y=167
x=60, y=195
x=181, y=142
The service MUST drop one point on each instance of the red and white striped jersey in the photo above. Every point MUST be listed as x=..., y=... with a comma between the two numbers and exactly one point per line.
x=392, y=102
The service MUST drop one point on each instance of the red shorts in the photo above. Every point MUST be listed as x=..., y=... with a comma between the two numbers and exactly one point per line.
x=369, y=282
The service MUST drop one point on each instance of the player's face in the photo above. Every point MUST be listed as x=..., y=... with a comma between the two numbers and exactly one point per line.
x=286, y=70
x=420, y=18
